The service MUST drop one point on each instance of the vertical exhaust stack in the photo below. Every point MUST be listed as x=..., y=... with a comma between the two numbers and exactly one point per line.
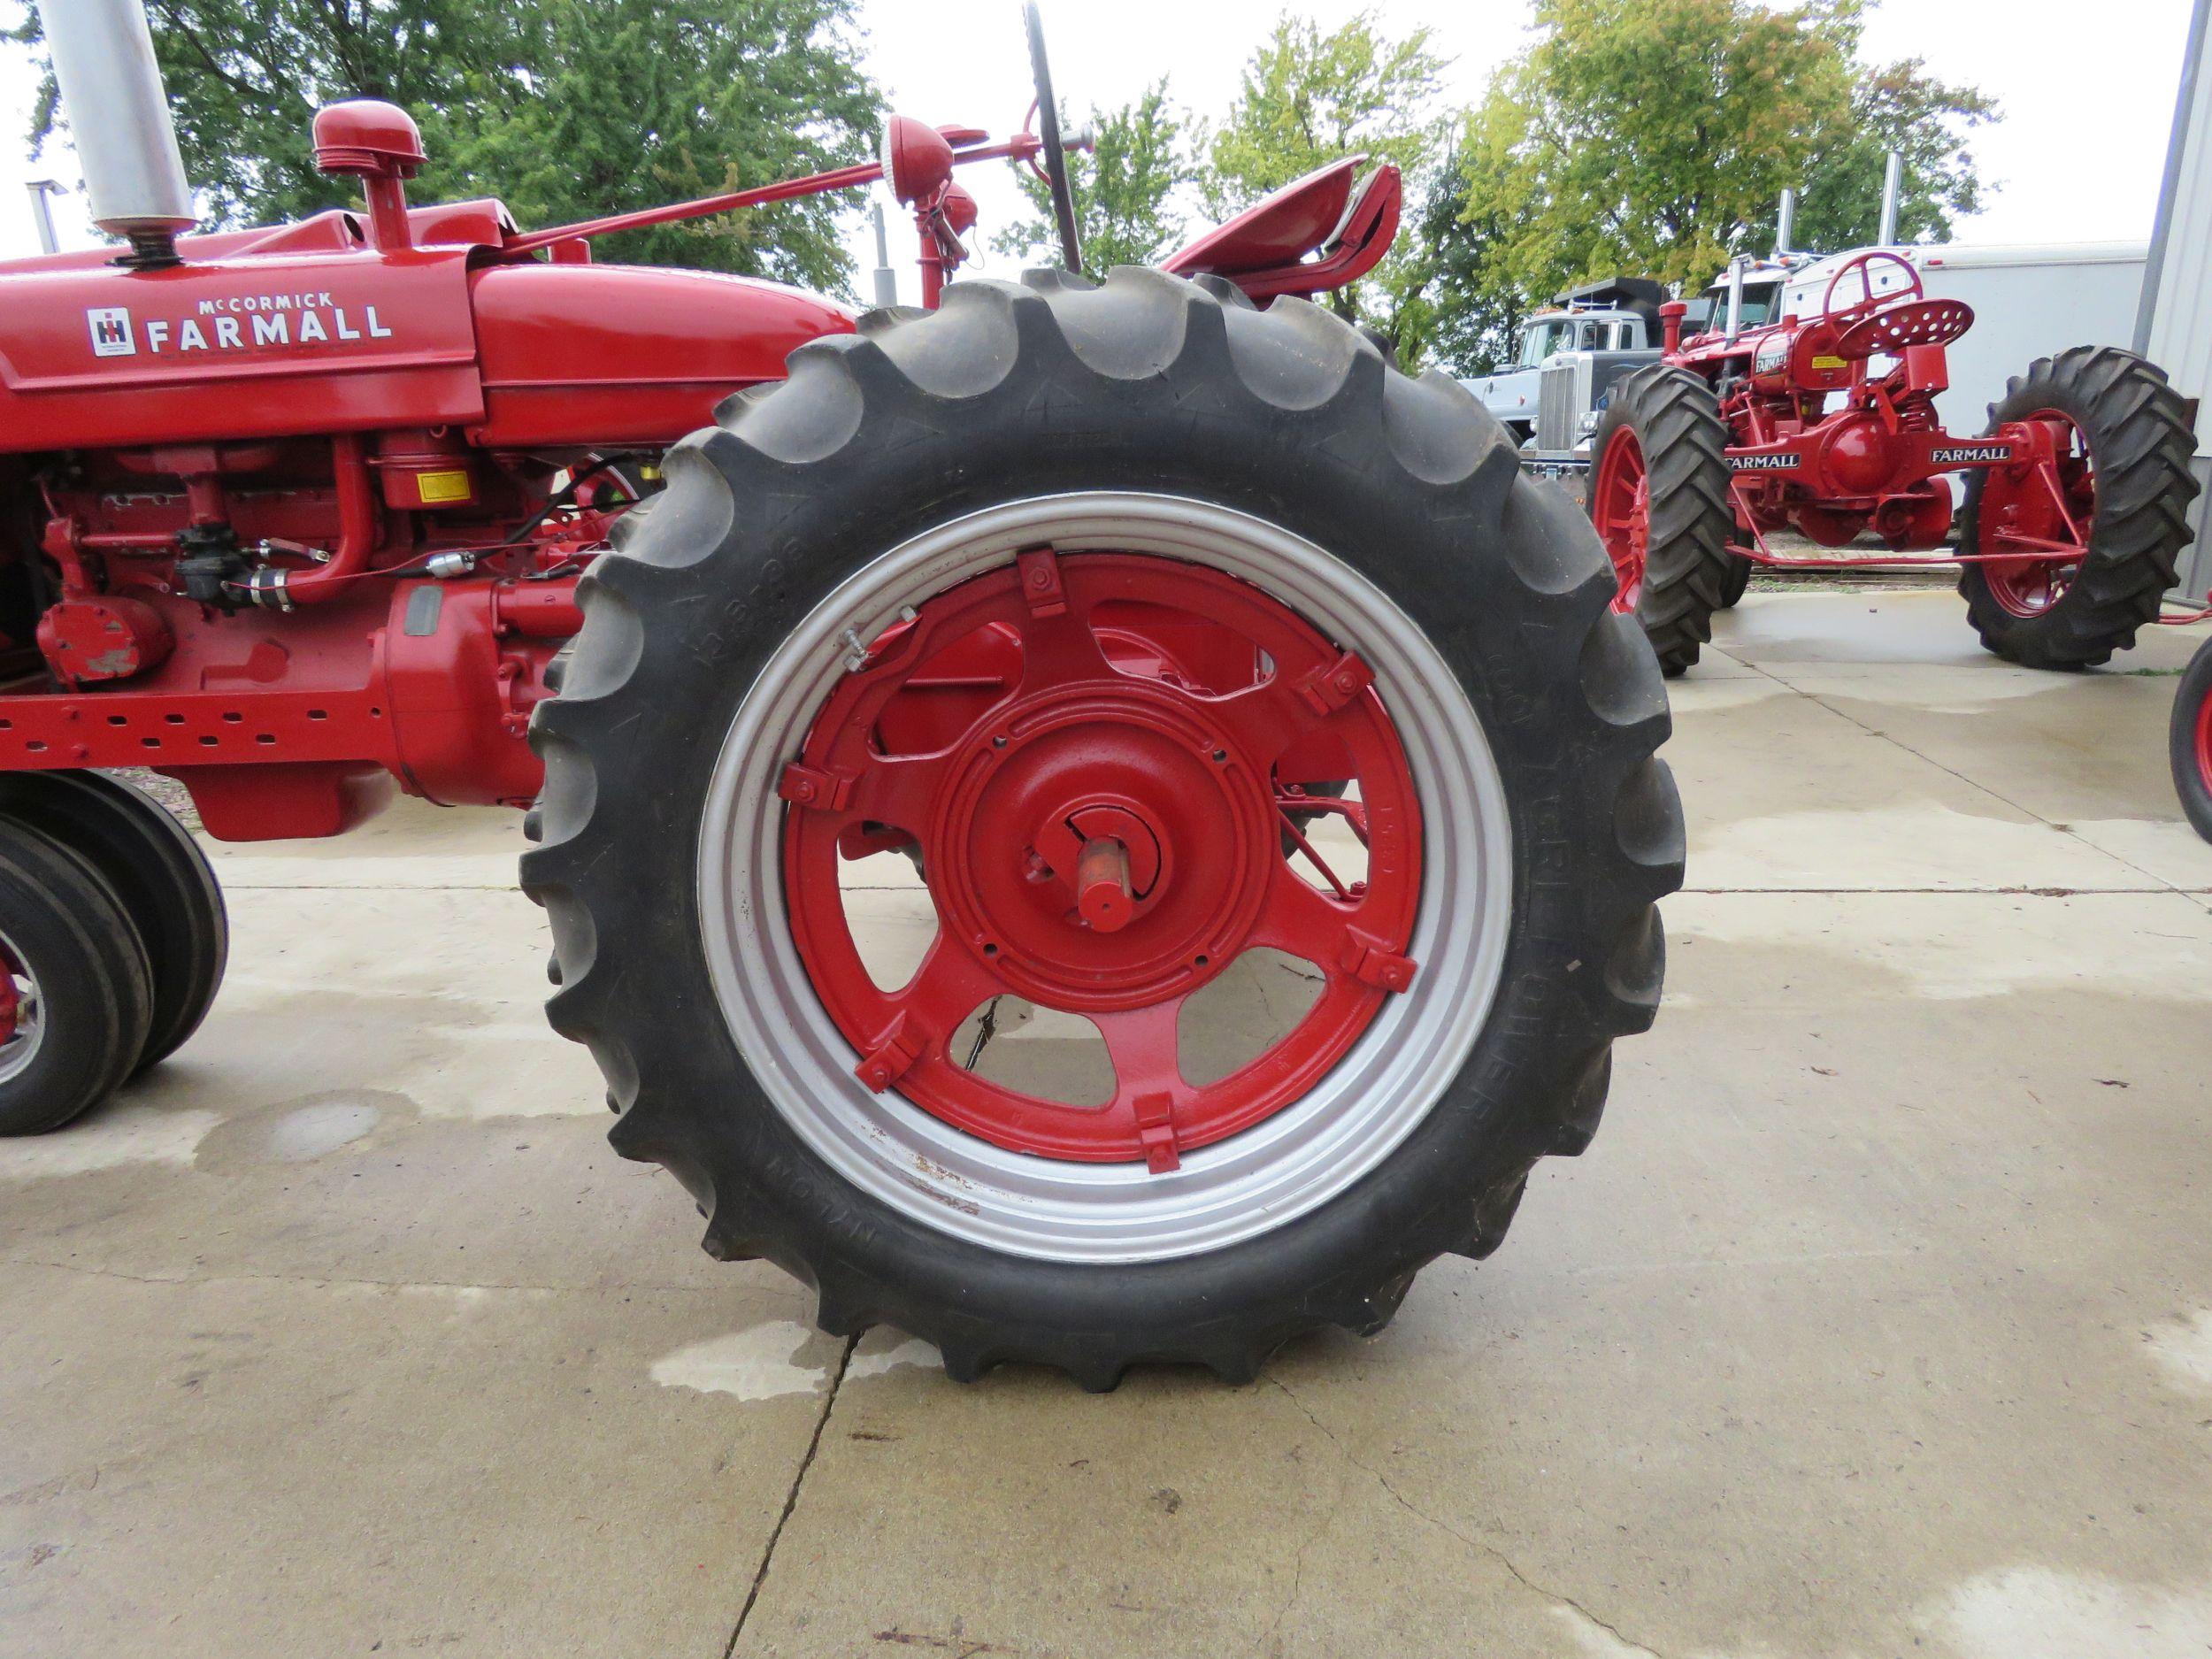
x=1785, y=222
x=1892, y=183
x=118, y=117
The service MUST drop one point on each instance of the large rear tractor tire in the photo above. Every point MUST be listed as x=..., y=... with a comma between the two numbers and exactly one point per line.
x=1659, y=497
x=165, y=881
x=76, y=996
x=2124, y=439
x=1086, y=485
x=2189, y=740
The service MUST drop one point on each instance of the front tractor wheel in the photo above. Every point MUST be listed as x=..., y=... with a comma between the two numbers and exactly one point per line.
x=1169, y=643
x=1659, y=497
x=2111, y=503
x=76, y=992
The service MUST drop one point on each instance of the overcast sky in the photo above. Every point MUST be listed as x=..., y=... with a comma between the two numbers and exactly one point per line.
x=2087, y=97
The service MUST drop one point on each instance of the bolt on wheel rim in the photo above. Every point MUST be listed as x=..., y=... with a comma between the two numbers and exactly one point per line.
x=880, y=1105
x=22, y=1013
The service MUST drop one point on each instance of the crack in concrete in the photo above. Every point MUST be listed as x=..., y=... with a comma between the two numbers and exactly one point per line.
x=791, y=1498
x=2067, y=830
x=1558, y=1599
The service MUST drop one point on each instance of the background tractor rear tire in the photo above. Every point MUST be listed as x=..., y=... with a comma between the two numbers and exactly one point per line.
x=2139, y=439
x=1688, y=571
x=86, y=993
x=2189, y=740
x=913, y=460
x=166, y=885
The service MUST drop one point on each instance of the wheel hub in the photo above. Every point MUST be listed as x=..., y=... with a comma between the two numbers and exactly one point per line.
x=1147, y=861
x=22, y=1014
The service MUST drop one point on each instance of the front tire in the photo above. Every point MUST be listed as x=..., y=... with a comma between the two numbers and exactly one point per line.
x=157, y=870
x=2189, y=740
x=2125, y=478
x=78, y=998
x=1659, y=497
x=1024, y=460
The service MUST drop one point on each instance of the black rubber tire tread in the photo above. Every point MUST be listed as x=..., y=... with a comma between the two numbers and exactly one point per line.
x=159, y=871
x=1687, y=562
x=2141, y=438
x=1738, y=582
x=79, y=944
x=2181, y=741
x=1013, y=391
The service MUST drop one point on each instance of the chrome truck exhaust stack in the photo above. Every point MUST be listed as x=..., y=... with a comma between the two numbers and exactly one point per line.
x=119, y=117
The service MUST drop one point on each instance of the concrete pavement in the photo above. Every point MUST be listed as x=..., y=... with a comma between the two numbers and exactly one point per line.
x=1877, y=1320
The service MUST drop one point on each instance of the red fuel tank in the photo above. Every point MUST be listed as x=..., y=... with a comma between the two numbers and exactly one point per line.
x=577, y=355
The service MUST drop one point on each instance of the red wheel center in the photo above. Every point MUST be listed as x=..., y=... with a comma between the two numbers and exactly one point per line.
x=1126, y=769
x=1622, y=496
x=1106, y=764
x=2042, y=508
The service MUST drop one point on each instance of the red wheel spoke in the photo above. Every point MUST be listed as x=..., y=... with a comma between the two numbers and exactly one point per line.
x=950, y=984
x=1142, y=1044
x=1300, y=922
x=898, y=789
x=1266, y=718
x=1060, y=650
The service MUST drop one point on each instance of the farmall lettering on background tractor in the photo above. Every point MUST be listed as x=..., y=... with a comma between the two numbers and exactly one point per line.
x=2076, y=495
x=1091, y=599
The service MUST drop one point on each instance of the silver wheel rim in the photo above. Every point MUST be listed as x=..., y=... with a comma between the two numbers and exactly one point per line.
x=1250, y=1184
x=17, y=1052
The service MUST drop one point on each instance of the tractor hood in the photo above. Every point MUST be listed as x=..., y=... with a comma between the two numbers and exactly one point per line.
x=235, y=350
x=299, y=330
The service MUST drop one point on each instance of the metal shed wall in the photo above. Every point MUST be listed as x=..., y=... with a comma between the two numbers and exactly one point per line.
x=2174, y=328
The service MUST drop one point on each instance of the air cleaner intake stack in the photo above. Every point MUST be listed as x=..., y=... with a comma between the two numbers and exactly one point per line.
x=119, y=117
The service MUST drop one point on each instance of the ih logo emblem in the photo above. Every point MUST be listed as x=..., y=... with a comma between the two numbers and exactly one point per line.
x=111, y=336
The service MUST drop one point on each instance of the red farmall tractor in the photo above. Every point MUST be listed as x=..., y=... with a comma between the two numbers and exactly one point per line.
x=1107, y=604
x=1825, y=425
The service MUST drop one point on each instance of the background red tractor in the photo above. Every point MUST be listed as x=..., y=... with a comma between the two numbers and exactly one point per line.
x=1091, y=599
x=2075, y=493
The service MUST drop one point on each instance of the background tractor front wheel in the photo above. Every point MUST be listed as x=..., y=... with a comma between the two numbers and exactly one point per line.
x=1067, y=588
x=1659, y=497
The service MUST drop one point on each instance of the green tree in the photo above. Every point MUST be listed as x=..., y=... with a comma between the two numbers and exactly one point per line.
x=1898, y=107
x=564, y=108
x=1125, y=190
x=1654, y=137
x=1309, y=98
